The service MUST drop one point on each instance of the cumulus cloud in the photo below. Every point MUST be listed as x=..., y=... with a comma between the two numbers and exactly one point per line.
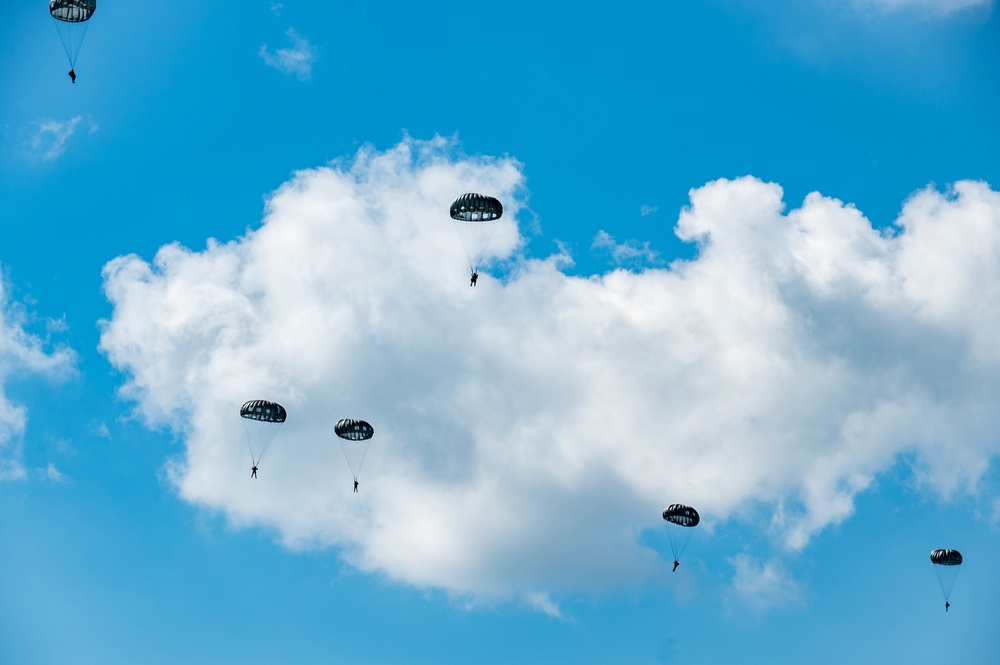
x=529, y=430
x=21, y=353
x=297, y=60
x=761, y=585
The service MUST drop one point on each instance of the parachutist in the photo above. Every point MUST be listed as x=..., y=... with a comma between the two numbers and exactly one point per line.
x=676, y=563
x=253, y=471
x=72, y=75
x=946, y=605
x=355, y=437
x=475, y=277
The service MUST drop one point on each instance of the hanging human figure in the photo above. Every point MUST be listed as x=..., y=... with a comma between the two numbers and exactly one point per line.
x=72, y=75
x=253, y=471
x=355, y=486
x=475, y=278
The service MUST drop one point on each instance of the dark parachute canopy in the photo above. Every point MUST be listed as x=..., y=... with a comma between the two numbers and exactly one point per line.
x=946, y=564
x=946, y=557
x=681, y=515
x=261, y=420
x=680, y=519
x=72, y=18
x=475, y=218
x=355, y=437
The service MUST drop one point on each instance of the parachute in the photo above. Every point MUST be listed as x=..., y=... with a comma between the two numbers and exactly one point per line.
x=476, y=219
x=261, y=420
x=680, y=519
x=72, y=18
x=355, y=436
x=946, y=565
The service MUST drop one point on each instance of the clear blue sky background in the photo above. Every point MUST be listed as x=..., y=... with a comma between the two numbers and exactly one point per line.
x=184, y=129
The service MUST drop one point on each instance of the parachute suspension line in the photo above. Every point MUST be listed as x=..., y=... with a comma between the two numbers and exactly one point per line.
x=476, y=238
x=679, y=538
x=259, y=436
x=246, y=430
x=946, y=578
x=71, y=35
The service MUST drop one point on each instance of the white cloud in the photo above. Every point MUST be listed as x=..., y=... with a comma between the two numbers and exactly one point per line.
x=100, y=429
x=21, y=353
x=528, y=430
x=936, y=7
x=50, y=140
x=53, y=474
x=629, y=252
x=297, y=60
x=762, y=585
x=646, y=211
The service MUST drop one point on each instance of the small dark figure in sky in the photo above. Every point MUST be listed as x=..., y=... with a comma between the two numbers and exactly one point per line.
x=355, y=486
x=475, y=276
x=253, y=471
x=946, y=605
x=72, y=75
x=676, y=563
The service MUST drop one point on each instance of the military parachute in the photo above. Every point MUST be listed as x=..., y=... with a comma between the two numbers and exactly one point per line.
x=680, y=519
x=476, y=218
x=946, y=564
x=72, y=17
x=355, y=437
x=261, y=420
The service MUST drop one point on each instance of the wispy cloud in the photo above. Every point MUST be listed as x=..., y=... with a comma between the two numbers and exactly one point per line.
x=646, y=211
x=21, y=353
x=51, y=473
x=762, y=585
x=933, y=7
x=297, y=60
x=50, y=140
x=542, y=603
x=100, y=429
x=630, y=252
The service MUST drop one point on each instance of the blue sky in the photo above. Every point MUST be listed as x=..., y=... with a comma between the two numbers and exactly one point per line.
x=229, y=206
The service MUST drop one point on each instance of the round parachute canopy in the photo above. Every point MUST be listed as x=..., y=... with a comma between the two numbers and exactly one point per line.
x=355, y=437
x=475, y=218
x=946, y=557
x=72, y=18
x=261, y=409
x=261, y=420
x=72, y=11
x=681, y=515
x=476, y=208
x=353, y=430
